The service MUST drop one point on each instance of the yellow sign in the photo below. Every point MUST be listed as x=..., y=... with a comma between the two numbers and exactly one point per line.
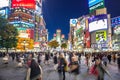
x=101, y=36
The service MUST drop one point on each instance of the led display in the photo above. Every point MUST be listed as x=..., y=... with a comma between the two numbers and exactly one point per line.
x=99, y=22
x=30, y=4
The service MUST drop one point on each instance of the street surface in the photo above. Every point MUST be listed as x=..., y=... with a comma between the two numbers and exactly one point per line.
x=12, y=72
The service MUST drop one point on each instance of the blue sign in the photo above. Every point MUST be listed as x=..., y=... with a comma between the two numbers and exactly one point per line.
x=74, y=21
x=4, y=12
x=115, y=21
x=93, y=2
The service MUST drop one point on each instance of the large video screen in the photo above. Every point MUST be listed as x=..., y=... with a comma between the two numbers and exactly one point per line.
x=99, y=22
x=101, y=36
x=30, y=4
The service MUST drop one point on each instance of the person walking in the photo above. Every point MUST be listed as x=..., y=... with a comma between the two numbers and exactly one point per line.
x=34, y=70
x=109, y=57
x=99, y=70
x=74, y=66
x=55, y=60
x=105, y=59
x=118, y=62
x=62, y=63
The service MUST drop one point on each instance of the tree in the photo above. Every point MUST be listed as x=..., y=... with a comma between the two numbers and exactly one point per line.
x=8, y=34
x=64, y=45
x=53, y=44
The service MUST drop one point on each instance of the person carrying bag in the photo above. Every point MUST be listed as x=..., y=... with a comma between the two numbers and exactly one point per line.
x=34, y=71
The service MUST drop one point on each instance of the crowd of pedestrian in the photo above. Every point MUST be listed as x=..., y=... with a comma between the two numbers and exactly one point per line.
x=64, y=62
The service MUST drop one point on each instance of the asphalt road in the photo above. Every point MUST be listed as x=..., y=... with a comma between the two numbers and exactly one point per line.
x=12, y=72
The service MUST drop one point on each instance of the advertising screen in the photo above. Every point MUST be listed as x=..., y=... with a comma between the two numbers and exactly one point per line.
x=4, y=12
x=87, y=39
x=38, y=6
x=93, y=2
x=115, y=21
x=30, y=4
x=30, y=33
x=24, y=24
x=97, y=6
x=22, y=32
x=4, y=3
x=98, y=23
x=101, y=36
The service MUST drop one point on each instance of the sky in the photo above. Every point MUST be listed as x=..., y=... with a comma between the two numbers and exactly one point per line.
x=57, y=13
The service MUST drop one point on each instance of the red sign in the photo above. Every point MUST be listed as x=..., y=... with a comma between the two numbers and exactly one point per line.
x=87, y=39
x=30, y=4
x=30, y=33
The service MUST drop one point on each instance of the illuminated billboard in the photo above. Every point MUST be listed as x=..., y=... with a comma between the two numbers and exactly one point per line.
x=30, y=4
x=93, y=2
x=4, y=3
x=87, y=39
x=115, y=21
x=23, y=24
x=30, y=33
x=22, y=32
x=39, y=6
x=73, y=22
x=98, y=22
x=101, y=36
x=4, y=12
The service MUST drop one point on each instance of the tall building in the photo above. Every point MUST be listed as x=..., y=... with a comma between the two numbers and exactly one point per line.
x=26, y=16
x=58, y=36
x=115, y=23
x=73, y=24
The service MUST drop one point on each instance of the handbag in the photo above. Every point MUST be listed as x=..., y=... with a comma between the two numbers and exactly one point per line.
x=28, y=74
x=93, y=71
x=66, y=68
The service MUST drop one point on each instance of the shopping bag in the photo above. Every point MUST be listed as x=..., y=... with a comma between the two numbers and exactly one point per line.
x=28, y=74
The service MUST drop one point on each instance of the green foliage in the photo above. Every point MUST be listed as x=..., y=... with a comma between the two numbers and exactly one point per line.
x=64, y=45
x=53, y=44
x=8, y=34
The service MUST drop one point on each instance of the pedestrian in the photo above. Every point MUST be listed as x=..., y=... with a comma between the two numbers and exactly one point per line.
x=62, y=63
x=109, y=58
x=39, y=58
x=74, y=66
x=118, y=62
x=99, y=70
x=6, y=59
x=13, y=56
x=55, y=60
x=47, y=58
x=114, y=57
x=34, y=70
x=105, y=59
